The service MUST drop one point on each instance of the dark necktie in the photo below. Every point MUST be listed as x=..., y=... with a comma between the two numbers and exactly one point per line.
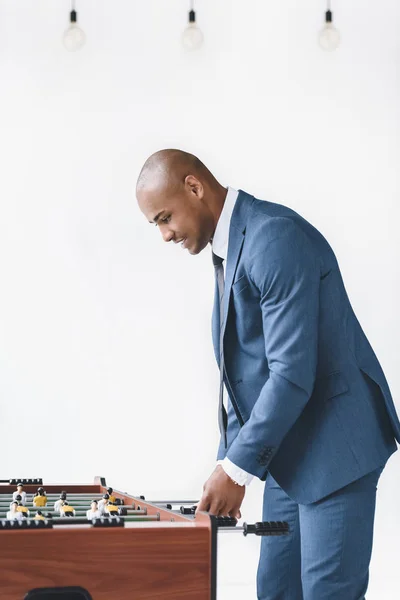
x=219, y=277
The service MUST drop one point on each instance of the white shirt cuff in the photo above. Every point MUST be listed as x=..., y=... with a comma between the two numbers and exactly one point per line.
x=240, y=476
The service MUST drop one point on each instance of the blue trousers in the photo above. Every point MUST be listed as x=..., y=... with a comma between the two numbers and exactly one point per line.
x=326, y=556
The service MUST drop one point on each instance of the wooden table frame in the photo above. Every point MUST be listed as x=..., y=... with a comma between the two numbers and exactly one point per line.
x=171, y=559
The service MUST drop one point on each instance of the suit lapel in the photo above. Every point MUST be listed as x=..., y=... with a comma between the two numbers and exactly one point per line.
x=237, y=233
x=215, y=323
x=236, y=239
x=235, y=245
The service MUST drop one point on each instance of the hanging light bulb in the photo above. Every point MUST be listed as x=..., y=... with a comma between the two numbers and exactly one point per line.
x=192, y=37
x=74, y=38
x=329, y=37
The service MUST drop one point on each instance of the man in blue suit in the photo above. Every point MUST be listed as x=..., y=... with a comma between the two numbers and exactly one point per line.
x=309, y=410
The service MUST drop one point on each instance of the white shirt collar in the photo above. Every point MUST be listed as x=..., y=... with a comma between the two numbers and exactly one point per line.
x=221, y=236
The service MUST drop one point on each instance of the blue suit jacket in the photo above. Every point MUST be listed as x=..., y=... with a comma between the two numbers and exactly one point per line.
x=308, y=400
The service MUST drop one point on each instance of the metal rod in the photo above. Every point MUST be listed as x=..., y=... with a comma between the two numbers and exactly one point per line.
x=170, y=501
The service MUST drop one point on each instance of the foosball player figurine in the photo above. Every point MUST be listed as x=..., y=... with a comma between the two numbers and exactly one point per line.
x=14, y=514
x=66, y=510
x=20, y=492
x=17, y=499
x=21, y=508
x=93, y=512
x=110, y=494
x=103, y=503
x=40, y=498
x=58, y=503
x=111, y=510
x=39, y=516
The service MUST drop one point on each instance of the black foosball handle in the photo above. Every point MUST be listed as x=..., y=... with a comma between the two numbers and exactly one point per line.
x=261, y=528
x=226, y=521
x=188, y=510
x=267, y=528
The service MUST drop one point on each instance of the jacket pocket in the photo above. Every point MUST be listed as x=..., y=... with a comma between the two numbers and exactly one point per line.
x=239, y=285
x=331, y=385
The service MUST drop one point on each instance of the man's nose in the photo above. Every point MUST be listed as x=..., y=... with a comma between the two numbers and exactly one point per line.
x=167, y=235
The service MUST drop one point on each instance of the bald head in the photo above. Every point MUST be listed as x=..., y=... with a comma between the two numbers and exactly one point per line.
x=177, y=192
x=168, y=168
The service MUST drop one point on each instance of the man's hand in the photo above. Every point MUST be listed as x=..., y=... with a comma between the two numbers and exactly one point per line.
x=221, y=496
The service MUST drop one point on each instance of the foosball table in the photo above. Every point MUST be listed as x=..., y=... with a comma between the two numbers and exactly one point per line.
x=137, y=549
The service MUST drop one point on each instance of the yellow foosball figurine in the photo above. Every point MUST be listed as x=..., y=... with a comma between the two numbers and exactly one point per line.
x=39, y=516
x=111, y=510
x=40, y=498
x=111, y=498
x=22, y=509
x=14, y=513
x=66, y=510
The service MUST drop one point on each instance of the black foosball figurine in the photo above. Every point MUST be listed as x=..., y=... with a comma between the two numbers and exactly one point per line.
x=20, y=492
x=14, y=513
x=93, y=512
x=58, y=503
x=103, y=503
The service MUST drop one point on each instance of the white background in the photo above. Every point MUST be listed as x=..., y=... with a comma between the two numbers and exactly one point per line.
x=106, y=361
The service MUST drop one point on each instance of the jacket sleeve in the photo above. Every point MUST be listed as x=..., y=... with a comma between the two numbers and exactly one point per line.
x=285, y=270
x=232, y=431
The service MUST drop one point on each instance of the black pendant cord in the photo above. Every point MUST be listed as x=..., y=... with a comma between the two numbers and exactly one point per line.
x=73, y=13
x=192, y=13
x=328, y=13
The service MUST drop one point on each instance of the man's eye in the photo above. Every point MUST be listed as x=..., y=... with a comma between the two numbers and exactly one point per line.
x=165, y=219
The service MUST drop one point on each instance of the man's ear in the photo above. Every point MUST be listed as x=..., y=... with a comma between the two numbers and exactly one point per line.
x=194, y=186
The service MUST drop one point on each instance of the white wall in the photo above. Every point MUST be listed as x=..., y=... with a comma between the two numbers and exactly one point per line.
x=105, y=344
